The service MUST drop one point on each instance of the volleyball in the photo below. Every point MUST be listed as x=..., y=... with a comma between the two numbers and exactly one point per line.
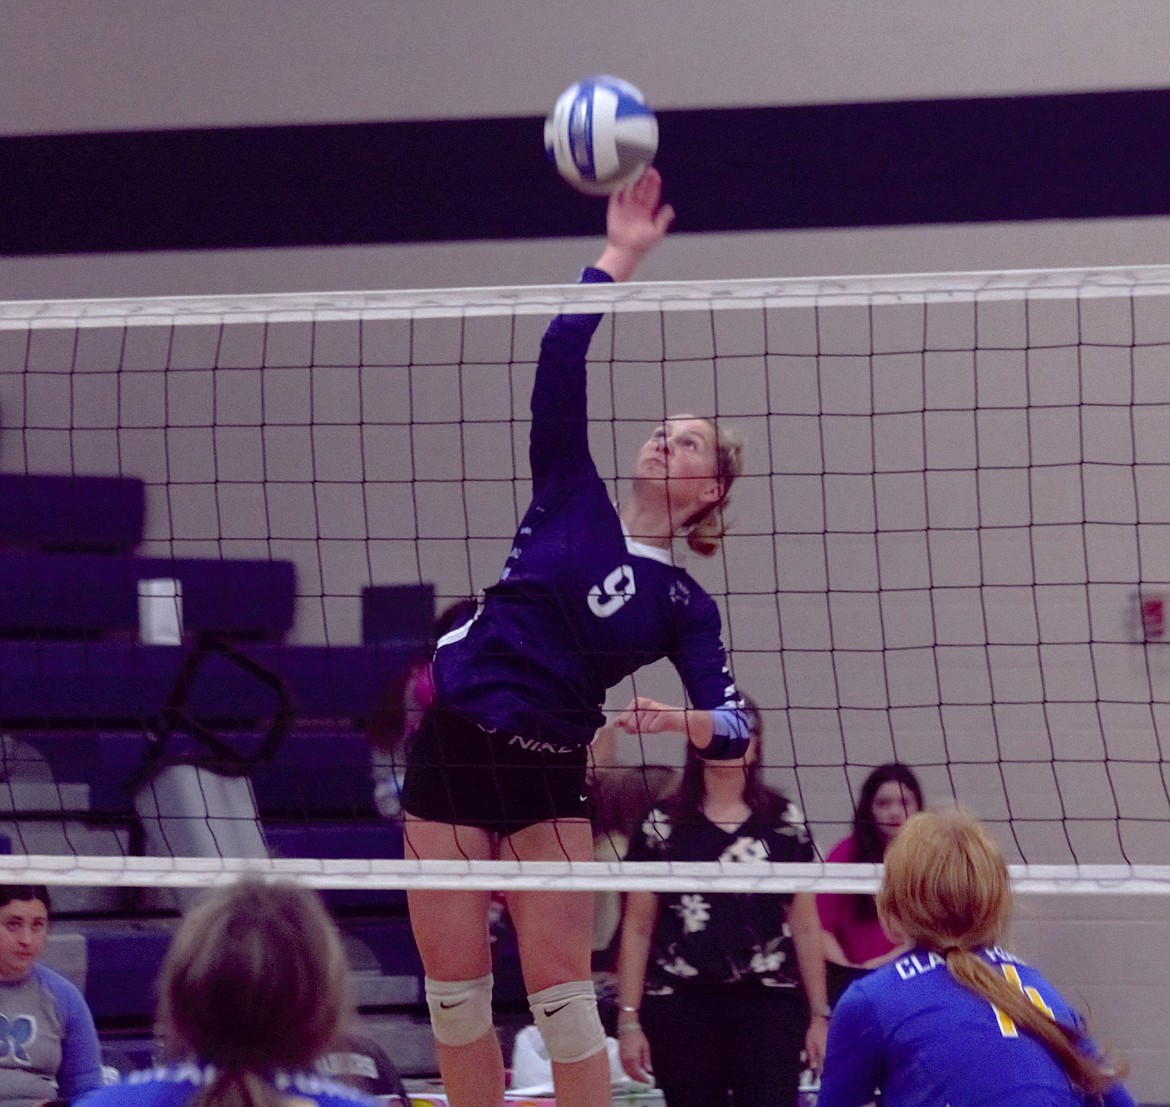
x=601, y=134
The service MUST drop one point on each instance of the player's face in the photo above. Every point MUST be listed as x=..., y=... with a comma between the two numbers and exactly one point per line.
x=24, y=928
x=893, y=804
x=681, y=452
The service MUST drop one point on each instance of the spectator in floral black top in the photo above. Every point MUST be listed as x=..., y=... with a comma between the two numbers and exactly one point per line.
x=719, y=993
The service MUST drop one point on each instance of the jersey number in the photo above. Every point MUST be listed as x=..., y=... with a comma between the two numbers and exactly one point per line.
x=613, y=593
x=1006, y=1027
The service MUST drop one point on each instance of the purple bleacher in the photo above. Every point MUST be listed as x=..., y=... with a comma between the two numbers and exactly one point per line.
x=397, y=612
x=94, y=683
x=392, y=944
x=318, y=779
x=57, y=690
x=349, y=839
x=253, y=599
x=356, y=840
x=81, y=595
x=318, y=773
x=122, y=963
x=78, y=685
x=61, y=512
x=87, y=706
x=112, y=682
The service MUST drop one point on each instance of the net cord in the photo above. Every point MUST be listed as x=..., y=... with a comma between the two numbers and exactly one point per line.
x=791, y=292
x=580, y=876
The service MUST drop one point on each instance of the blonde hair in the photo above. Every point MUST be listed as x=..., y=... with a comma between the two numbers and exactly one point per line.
x=255, y=980
x=947, y=888
x=706, y=528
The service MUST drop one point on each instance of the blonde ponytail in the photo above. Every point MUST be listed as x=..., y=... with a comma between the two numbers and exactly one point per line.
x=706, y=528
x=1088, y=1073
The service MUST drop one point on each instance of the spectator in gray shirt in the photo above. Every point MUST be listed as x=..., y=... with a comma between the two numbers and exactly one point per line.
x=48, y=1044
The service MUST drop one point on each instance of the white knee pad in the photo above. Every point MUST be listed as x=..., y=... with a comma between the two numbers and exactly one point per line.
x=461, y=1010
x=566, y=1016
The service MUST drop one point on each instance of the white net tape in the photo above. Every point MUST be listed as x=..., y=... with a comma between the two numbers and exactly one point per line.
x=582, y=876
x=796, y=292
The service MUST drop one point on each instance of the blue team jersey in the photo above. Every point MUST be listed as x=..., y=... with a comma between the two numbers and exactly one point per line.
x=177, y=1085
x=579, y=606
x=911, y=1029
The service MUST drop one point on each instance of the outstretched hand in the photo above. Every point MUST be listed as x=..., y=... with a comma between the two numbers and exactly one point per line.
x=636, y=221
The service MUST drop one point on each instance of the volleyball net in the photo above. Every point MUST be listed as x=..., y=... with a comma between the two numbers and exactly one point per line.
x=951, y=548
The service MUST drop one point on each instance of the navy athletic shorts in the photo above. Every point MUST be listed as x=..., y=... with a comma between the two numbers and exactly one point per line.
x=461, y=773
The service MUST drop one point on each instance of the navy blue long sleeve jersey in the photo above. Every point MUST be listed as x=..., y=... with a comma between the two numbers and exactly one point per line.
x=926, y=1040
x=579, y=605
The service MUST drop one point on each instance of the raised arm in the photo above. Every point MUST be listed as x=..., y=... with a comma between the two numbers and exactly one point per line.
x=636, y=221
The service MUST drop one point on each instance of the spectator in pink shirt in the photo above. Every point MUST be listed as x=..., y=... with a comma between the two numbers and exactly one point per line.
x=854, y=940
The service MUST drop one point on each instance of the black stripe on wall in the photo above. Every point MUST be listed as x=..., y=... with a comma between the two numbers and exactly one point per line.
x=1074, y=156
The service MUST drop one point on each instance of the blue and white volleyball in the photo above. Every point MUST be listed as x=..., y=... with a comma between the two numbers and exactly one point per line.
x=601, y=135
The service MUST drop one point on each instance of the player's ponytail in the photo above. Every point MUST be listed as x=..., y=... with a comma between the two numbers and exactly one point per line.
x=946, y=888
x=706, y=528
x=1011, y=1003
x=237, y=1088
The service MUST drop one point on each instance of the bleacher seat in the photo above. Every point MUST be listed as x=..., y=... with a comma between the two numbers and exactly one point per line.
x=91, y=595
x=353, y=840
x=357, y=838
x=122, y=962
x=109, y=683
x=66, y=512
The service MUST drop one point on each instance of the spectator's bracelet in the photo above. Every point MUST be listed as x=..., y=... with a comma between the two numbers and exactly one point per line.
x=632, y=1024
x=822, y=1012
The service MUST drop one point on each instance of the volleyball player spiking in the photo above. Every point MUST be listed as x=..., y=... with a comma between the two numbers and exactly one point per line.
x=588, y=595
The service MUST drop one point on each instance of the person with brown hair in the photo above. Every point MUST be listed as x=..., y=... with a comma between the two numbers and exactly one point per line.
x=854, y=940
x=720, y=994
x=958, y=1020
x=49, y=1049
x=254, y=990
